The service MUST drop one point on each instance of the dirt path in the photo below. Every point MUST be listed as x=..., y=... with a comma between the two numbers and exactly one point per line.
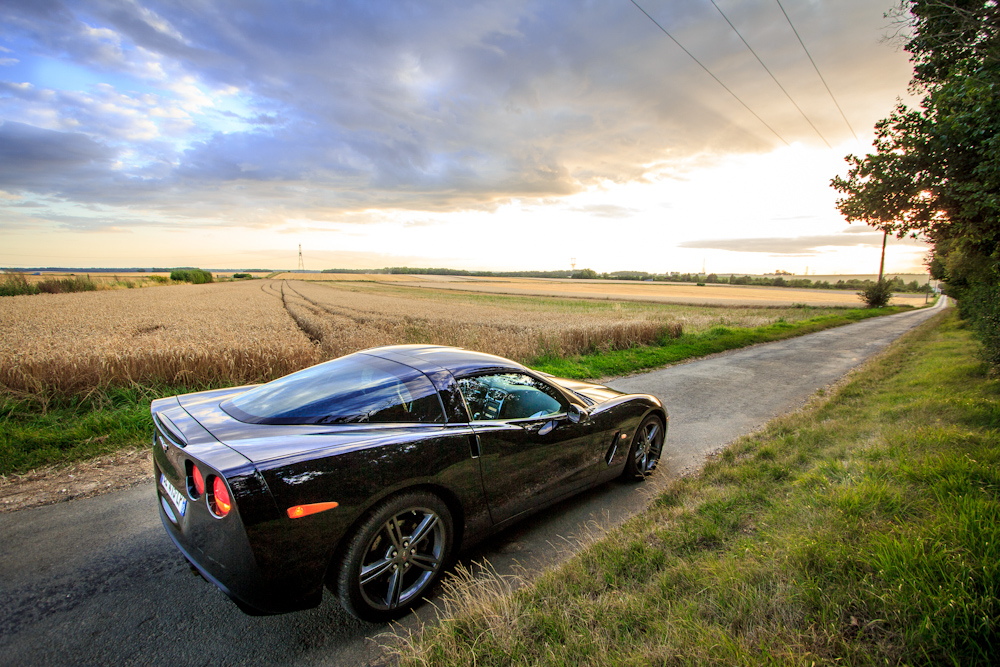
x=84, y=479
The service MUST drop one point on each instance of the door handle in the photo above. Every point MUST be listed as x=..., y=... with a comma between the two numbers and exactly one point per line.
x=547, y=427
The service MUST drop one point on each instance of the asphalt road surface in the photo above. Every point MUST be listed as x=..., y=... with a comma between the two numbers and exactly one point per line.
x=97, y=581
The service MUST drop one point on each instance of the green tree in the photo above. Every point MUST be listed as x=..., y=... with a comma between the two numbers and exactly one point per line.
x=935, y=172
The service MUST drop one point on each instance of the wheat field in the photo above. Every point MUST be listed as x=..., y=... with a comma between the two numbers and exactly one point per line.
x=180, y=334
x=254, y=331
x=621, y=290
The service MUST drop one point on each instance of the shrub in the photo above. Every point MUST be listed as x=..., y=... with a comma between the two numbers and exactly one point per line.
x=876, y=295
x=63, y=285
x=195, y=276
x=979, y=303
x=16, y=283
x=242, y=276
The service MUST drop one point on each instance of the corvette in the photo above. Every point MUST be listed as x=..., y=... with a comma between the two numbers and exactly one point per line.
x=365, y=475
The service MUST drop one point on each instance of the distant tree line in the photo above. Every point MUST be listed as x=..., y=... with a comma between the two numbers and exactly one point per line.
x=896, y=284
x=403, y=270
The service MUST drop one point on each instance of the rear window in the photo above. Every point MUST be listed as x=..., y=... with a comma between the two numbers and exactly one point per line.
x=356, y=389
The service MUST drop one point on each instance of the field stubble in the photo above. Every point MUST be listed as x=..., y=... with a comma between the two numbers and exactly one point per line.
x=239, y=333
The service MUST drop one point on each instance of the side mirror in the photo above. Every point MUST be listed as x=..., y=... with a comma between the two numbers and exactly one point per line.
x=577, y=415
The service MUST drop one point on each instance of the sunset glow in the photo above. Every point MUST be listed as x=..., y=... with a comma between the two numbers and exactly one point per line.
x=497, y=135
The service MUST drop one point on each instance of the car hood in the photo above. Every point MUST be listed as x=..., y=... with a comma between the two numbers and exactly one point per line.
x=266, y=442
x=595, y=392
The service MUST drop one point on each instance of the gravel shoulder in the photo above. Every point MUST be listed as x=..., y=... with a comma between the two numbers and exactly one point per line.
x=83, y=479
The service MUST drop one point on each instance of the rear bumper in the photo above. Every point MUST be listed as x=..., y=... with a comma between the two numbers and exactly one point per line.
x=239, y=552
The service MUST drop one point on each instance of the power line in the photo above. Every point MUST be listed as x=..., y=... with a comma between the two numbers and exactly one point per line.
x=842, y=115
x=803, y=113
x=709, y=72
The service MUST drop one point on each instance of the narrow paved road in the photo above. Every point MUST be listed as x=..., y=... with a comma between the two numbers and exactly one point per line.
x=97, y=581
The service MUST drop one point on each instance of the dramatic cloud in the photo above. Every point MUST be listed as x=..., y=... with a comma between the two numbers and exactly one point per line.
x=426, y=106
x=44, y=161
x=260, y=116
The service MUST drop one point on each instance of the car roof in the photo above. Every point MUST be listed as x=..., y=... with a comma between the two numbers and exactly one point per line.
x=456, y=360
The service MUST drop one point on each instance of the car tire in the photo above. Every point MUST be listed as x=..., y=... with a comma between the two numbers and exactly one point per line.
x=647, y=444
x=395, y=556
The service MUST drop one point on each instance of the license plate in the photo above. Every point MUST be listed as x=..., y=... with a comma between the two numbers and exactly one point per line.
x=180, y=502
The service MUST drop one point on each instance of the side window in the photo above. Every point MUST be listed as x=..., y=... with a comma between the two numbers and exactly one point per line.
x=509, y=396
x=356, y=389
x=413, y=402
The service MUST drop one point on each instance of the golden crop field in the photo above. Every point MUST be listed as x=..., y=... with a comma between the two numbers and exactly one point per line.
x=178, y=334
x=626, y=290
x=253, y=331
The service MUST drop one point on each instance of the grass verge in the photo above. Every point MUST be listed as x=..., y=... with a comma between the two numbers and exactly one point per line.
x=34, y=435
x=865, y=530
x=689, y=346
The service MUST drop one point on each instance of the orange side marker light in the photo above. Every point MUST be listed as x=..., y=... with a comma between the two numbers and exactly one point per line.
x=300, y=511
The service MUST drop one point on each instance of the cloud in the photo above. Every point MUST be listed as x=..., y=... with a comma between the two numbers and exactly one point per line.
x=800, y=246
x=606, y=211
x=41, y=160
x=433, y=106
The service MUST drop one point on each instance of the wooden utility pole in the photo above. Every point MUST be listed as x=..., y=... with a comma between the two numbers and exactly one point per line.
x=881, y=265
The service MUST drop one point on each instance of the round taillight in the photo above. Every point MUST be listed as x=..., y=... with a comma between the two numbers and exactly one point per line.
x=199, y=480
x=221, y=504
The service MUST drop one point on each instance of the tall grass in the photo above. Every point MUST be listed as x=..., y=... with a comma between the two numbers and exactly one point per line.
x=14, y=284
x=75, y=428
x=17, y=284
x=863, y=531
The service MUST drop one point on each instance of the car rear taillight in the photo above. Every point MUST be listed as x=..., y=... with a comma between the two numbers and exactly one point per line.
x=196, y=481
x=219, y=502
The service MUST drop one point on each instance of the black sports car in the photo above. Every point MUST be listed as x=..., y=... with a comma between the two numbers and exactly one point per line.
x=367, y=473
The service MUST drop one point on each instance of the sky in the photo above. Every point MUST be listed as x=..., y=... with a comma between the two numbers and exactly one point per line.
x=505, y=135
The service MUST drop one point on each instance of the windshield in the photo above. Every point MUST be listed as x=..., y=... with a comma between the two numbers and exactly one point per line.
x=356, y=389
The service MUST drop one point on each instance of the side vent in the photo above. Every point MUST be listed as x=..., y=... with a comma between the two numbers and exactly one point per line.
x=610, y=456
